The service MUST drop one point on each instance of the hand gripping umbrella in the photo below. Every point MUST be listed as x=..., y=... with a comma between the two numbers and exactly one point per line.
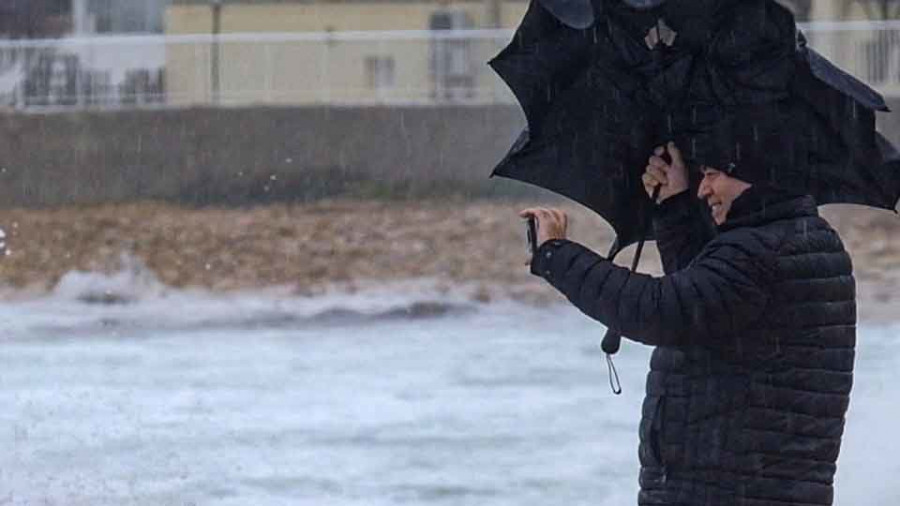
x=602, y=82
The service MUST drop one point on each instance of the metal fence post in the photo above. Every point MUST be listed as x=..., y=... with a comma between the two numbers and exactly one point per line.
x=215, y=51
x=20, y=56
x=325, y=78
x=267, y=75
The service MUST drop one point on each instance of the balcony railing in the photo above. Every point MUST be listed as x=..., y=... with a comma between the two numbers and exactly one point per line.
x=344, y=68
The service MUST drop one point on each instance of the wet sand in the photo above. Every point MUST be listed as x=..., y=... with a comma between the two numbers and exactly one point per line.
x=347, y=245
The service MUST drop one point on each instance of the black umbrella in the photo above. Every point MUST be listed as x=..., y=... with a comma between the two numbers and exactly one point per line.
x=598, y=99
x=603, y=82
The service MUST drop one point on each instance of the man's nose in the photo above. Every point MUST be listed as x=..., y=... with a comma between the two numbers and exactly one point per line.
x=702, y=190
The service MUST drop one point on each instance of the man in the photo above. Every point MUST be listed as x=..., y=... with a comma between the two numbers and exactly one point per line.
x=754, y=329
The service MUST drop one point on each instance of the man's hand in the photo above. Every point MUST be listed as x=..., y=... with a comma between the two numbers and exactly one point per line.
x=673, y=177
x=551, y=224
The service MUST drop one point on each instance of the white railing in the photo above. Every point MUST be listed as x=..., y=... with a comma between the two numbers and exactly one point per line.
x=345, y=68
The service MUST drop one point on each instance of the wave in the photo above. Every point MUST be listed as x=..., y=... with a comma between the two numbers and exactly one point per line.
x=133, y=302
x=414, y=311
x=132, y=282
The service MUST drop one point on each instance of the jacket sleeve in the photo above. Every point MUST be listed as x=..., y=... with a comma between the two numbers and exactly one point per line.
x=707, y=303
x=681, y=231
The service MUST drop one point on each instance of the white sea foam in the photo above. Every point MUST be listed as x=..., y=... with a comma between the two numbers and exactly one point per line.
x=133, y=301
x=132, y=282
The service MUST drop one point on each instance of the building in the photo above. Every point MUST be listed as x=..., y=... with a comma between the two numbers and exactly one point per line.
x=121, y=72
x=23, y=69
x=243, y=52
x=195, y=16
x=121, y=16
x=48, y=19
x=302, y=53
x=33, y=19
x=319, y=64
x=68, y=67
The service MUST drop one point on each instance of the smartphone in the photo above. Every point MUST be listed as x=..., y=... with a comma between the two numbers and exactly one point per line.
x=531, y=233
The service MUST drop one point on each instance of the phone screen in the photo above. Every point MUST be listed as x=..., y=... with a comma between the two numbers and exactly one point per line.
x=532, y=234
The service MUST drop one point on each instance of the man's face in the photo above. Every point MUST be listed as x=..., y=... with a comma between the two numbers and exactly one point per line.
x=719, y=190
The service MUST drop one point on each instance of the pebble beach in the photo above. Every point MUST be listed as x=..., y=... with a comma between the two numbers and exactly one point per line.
x=308, y=249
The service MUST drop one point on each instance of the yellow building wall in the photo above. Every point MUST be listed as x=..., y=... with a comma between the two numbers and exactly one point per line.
x=359, y=16
x=315, y=17
x=837, y=10
x=309, y=72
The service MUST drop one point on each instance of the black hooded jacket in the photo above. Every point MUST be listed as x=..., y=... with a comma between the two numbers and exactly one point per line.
x=754, y=331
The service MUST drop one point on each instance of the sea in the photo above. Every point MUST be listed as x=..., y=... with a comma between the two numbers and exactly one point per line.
x=120, y=392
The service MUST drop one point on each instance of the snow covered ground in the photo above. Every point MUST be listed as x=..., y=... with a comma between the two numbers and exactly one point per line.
x=397, y=396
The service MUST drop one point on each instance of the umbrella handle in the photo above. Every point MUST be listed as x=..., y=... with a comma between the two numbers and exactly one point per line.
x=612, y=341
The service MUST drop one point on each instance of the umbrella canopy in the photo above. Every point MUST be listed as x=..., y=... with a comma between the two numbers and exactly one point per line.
x=602, y=83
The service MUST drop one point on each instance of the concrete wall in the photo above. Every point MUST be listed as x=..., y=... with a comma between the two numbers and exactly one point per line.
x=239, y=156
x=235, y=156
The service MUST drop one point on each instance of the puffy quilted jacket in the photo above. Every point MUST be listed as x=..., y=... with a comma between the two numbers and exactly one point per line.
x=754, y=331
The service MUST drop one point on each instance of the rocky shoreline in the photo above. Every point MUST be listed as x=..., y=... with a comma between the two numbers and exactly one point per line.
x=311, y=249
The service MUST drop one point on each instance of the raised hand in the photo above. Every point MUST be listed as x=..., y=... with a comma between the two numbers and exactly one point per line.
x=671, y=176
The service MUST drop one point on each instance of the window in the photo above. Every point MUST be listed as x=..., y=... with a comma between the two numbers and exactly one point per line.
x=451, y=63
x=380, y=72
